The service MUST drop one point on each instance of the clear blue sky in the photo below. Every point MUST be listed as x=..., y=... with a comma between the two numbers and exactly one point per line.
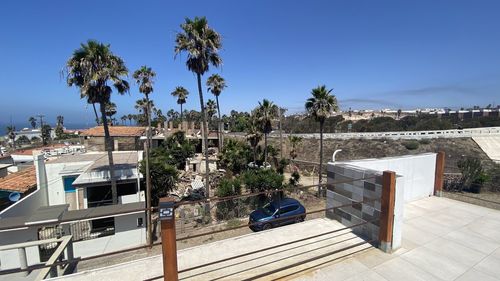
x=375, y=54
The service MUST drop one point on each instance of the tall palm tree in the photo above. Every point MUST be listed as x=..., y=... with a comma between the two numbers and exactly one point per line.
x=181, y=94
x=202, y=44
x=110, y=109
x=123, y=119
x=253, y=135
x=32, y=121
x=92, y=68
x=11, y=133
x=215, y=85
x=211, y=109
x=266, y=112
x=144, y=77
x=142, y=106
x=130, y=117
x=321, y=106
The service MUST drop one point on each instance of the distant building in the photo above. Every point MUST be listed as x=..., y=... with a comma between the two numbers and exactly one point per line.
x=124, y=138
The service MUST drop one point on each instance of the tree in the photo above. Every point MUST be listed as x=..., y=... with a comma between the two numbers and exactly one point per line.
x=92, y=68
x=123, y=119
x=163, y=178
x=216, y=85
x=320, y=106
x=60, y=132
x=253, y=135
x=294, y=141
x=11, y=133
x=266, y=112
x=144, y=77
x=110, y=110
x=130, y=117
x=60, y=120
x=32, y=121
x=46, y=134
x=181, y=94
x=23, y=140
x=202, y=44
x=235, y=156
x=211, y=109
x=142, y=106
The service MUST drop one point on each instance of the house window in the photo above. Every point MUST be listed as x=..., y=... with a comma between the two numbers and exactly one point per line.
x=103, y=227
x=68, y=184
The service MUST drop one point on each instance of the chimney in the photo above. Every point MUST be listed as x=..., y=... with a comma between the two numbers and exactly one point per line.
x=41, y=177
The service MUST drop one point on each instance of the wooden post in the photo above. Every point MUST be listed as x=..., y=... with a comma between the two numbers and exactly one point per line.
x=168, y=239
x=439, y=173
x=387, y=210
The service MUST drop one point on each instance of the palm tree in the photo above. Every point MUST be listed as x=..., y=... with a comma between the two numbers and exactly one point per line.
x=202, y=45
x=320, y=106
x=11, y=133
x=142, y=106
x=266, y=112
x=211, y=109
x=181, y=94
x=110, y=109
x=32, y=121
x=215, y=85
x=253, y=135
x=144, y=77
x=294, y=141
x=130, y=117
x=92, y=68
x=124, y=119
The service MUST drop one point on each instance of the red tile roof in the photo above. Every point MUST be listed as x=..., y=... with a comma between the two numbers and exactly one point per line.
x=115, y=131
x=21, y=181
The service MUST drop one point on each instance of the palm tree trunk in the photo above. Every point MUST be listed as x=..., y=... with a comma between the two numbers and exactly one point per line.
x=254, y=154
x=320, y=172
x=185, y=129
x=109, y=148
x=149, y=222
x=281, y=135
x=96, y=115
x=265, y=149
x=205, y=137
x=219, y=134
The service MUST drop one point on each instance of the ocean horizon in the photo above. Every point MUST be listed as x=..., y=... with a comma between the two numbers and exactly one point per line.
x=21, y=125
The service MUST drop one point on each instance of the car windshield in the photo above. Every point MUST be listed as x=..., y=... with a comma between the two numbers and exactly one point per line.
x=268, y=209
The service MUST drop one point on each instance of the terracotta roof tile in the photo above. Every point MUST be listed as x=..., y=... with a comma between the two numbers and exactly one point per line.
x=21, y=181
x=115, y=131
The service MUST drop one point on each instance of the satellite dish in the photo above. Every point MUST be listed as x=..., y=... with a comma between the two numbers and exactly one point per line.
x=14, y=196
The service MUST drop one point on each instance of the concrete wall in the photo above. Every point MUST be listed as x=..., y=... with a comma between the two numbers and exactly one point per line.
x=10, y=258
x=119, y=143
x=368, y=191
x=127, y=235
x=346, y=193
x=418, y=172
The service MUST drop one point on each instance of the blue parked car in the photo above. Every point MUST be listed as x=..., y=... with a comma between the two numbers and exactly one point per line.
x=277, y=213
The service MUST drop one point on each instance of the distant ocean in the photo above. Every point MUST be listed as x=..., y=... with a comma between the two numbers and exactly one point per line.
x=21, y=125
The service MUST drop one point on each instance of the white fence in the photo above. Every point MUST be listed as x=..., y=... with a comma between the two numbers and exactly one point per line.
x=464, y=133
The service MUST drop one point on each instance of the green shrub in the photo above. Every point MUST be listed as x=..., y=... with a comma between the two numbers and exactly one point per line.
x=424, y=141
x=229, y=209
x=262, y=180
x=411, y=144
x=235, y=156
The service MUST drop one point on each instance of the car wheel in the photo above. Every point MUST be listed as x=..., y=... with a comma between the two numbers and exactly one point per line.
x=267, y=226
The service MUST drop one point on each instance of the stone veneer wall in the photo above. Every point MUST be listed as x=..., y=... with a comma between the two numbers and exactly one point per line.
x=339, y=194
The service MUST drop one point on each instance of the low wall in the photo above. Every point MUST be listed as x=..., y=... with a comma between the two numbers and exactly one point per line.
x=418, y=172
x=464, y=133
x=368, y=191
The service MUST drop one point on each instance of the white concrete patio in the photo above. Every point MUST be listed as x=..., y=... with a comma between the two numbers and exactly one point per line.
x=443, y=239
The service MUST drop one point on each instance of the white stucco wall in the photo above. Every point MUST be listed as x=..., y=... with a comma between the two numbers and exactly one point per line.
x=10, y=258
x=418, y=172
x=55, y=174
x=127, y=235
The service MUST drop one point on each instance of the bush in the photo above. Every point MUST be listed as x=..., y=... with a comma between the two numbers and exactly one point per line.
x=229, y=209
x=473, y=177
x=174, y=151
x=164, y=177
x=235, y=156
x=411, y=145
x=262, y=180
x=424, y=141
